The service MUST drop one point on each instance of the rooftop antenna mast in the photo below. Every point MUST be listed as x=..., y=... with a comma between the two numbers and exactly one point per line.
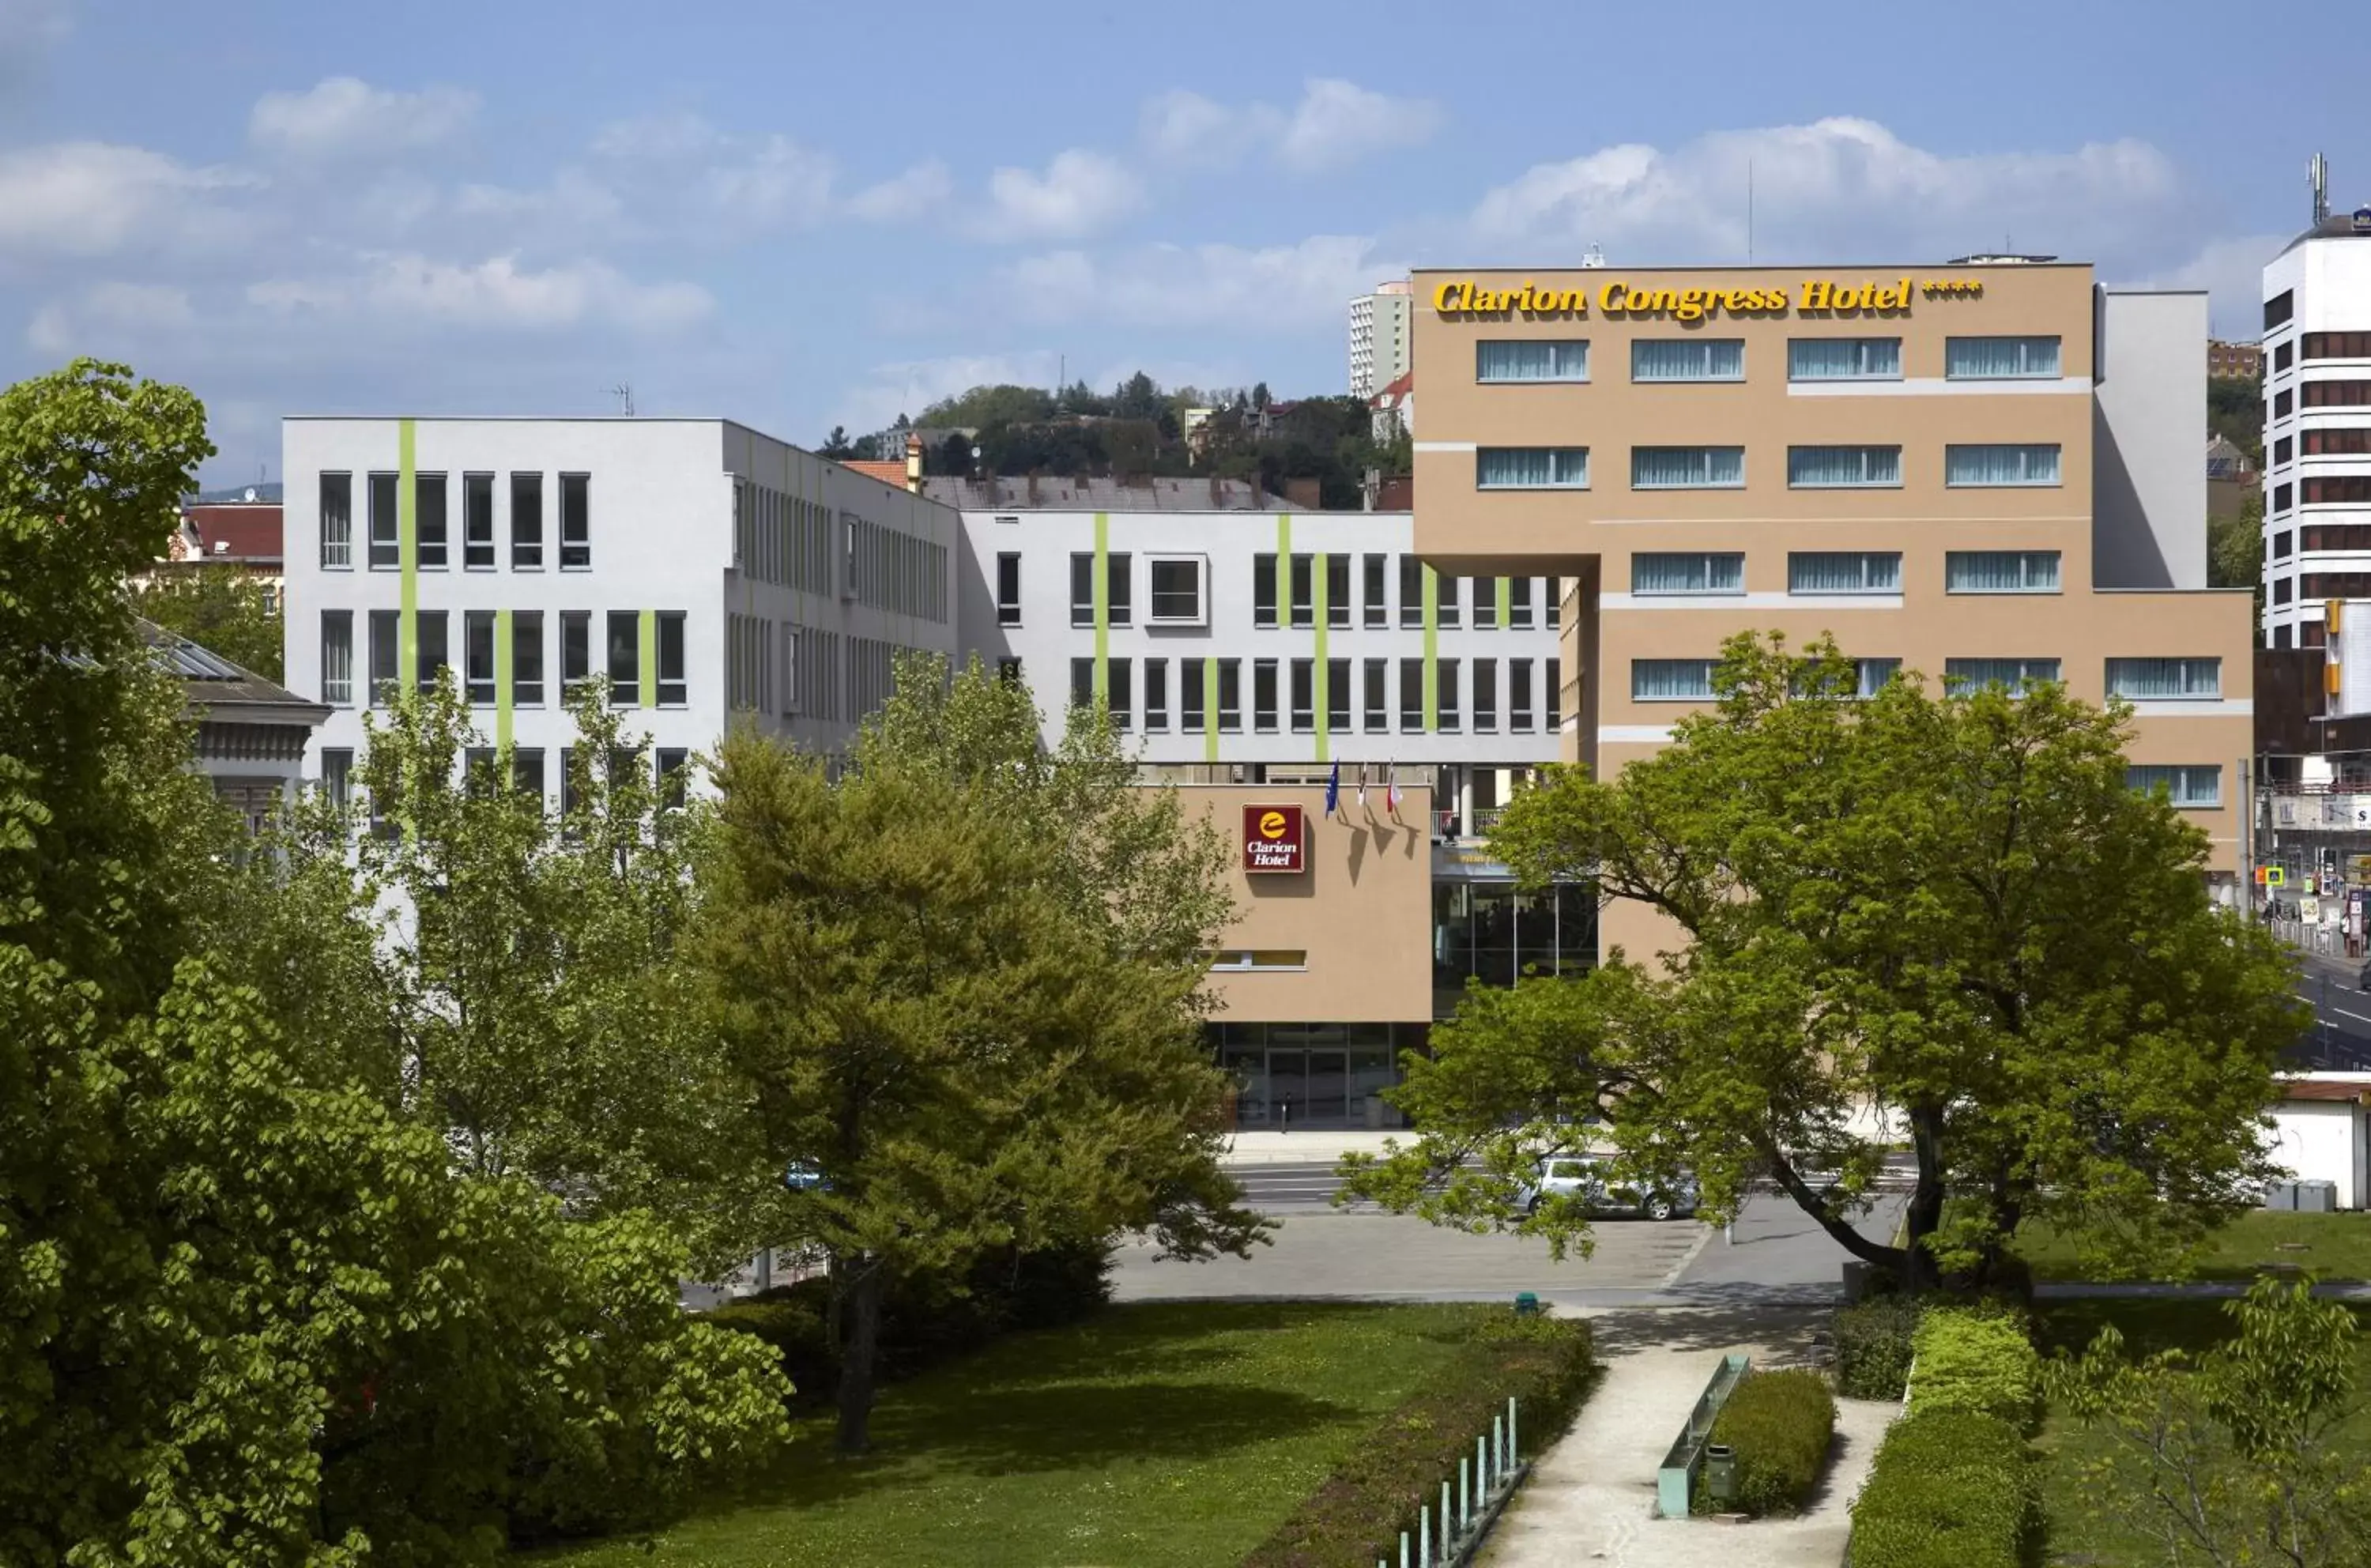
x=2317, y=176
x=624, y=393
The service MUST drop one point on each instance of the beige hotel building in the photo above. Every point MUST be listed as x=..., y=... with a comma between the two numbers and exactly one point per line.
x=1986, y=470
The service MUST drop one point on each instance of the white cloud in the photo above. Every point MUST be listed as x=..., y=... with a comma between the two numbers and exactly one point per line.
x=1838, y=187
x=91, y=199
x=1080, y=193
x=906, y=386
x=343, y=116
x=1335, y=124
x=779, y=182
x=574, y=201
x=2232, y=273
x=658, y=136
x=913, y=194
x=28, y=30
x=494, y=294
x=1287, y=287
x=108, y=314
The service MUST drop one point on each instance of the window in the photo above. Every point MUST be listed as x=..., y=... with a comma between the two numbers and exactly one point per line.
x=575, y=650
x=1377, y=674
x=338, y=522
x=338, y=777
x=1007, y=669
x=1412, y=696
x=1519, y=695
x=1304, y=590
x=1082, y=683
x=1972, y=466
x=2352, y=441
x=1875, y=673
x=1690, y=571
x=478, y=771
x=625, y=650
x=1119, y=592
x=1260, y=958
x=1263, y=697
x=527, y=658
x=1843, y=571
x=1519, y=603
x=1263, y=589
x=1553, y=359
x=2017, y=674
x=1156, y=696
x=1485, y=604
x=1486, y=696
x=386, y=546
x=1191, y=714
x=1555, y=694
x=2347, y=538
x=386, y=634
x=1532, y=467
x=672, y=772
x=575, y=522
x=1670, y=680
x=2193, y=787
x=1687, y=359
x=1843, y=467
x=2279, y=308
x=1082, y=588
x=477, y=658
x=1119, y=699
x=1231, y=695
x=1337, y=695
x=1553, y=599
x=2280, y=636
x=2282, y=357
x=2286, y=448
x=338, y=658
x=569, y=797
x=1376, y=578
x=1411, y=591
x=2000, y=571
x=1445, y=599
x=2281, y=587
x=2281, y=494
x=1999, y=359
x=2165, y=680
x=428, y=520
x=435, y=651
x=1177, y=590
x=2335, y=345
x=2343, y=489
x=1444, y=686
x=1844, y=359
x=1337, y=590
x=2285, y=402
x=1304, y=696
x=672, y=691
x=478, y=522
x=527, y=522
x=1008, y=588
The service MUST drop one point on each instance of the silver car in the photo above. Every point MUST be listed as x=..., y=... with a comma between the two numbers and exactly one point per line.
x=1586, y=1178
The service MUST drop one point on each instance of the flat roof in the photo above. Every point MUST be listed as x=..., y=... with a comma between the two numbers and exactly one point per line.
x=1575, y=266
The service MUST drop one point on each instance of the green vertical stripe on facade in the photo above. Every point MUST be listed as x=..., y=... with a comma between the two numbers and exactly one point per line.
x=1103, y=611
x=648, y=661
x=1209, y=710
x=1284, y=549
x=1506, y=602
x=1317, y=665
x=502, y=680
x=1431, y=651
x=406, y=545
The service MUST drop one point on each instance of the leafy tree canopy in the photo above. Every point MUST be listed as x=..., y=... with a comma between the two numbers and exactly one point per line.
x=226, y=611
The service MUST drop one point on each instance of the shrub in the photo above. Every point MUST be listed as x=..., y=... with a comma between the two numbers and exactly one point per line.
x=1357, y=1512
x=1873, y=1347
x=1778, y=1424
x=1951, y=1489
x=1976, y=1359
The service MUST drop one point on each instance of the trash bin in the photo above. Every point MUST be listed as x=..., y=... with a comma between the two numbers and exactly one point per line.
x=1720, y=1473
x=2281, y=1195
x=1527, y=1304
x=2317, y=1197
x=1855, y=1282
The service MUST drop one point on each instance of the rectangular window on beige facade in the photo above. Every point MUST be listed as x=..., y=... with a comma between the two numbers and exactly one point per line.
x=1976, y=466
x=1532, y=467
x=2000, y=359
x=2016, y=675
x=1686, y=571
x=1843, y=571
x=1518, y=360
x=2195, y=787
x=1844, y=359
x=1844, y=468
x=2165, y=680
x=1670, y=680
x=2000, y=571
x=1687, y=468
x=1687, y=359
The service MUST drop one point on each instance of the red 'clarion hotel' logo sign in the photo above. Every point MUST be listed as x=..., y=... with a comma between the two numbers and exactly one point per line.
x=1272, y=838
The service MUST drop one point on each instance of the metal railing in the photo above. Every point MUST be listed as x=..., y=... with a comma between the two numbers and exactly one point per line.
x=1485, y=1481
x=1675, y=1480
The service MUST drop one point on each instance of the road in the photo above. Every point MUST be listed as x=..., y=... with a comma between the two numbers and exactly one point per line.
x=2340, y=1040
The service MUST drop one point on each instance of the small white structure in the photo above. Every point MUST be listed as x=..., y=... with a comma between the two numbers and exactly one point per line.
x=2321, y=1133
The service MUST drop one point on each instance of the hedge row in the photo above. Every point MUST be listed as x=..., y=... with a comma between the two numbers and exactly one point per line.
x=1356, y=1517
x=1779, y=1426
x=1873, y=1347
x=925, y=1319
x=1951, y=1489
x=1978, y=1359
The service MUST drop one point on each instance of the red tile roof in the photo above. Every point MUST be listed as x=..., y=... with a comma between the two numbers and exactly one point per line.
x=888, y=473
x=234, y=530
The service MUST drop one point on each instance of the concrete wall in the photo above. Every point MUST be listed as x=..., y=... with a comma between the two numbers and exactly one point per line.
x=2148, y=521
x=2321, y=1140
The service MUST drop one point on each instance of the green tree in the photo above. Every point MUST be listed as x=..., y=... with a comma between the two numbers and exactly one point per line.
x=2235, y=409
x=2235, y=550
x=836, y=445
x=2239, y=1460
x=225, y=611
x=962, y=981
x=1946, y=920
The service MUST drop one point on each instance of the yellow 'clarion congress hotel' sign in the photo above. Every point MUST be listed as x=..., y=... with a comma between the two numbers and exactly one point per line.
x=1815, y=296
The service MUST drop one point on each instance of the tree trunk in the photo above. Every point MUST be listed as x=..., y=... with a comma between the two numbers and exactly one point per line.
x=857, y=1357
x=1925, y=1212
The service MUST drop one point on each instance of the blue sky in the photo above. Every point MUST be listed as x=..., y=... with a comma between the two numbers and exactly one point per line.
x=799, y=216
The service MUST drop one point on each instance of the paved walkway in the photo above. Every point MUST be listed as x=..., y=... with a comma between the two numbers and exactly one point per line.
x=1589, y=1499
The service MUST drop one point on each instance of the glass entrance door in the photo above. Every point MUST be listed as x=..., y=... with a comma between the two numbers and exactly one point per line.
x=1329, y=1089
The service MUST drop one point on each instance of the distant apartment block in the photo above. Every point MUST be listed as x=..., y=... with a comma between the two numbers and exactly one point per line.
x=1382, y=338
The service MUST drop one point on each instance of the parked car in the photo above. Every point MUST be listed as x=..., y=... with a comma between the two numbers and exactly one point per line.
x=1585, y=1177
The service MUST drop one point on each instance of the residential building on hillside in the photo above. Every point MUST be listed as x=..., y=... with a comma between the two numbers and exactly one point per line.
x=2316, y=480
x=227, y=535
x=699, y=573
x=1062, y=492
x=1979, y=472
x=2234, y=362
x=1383, y=344
x=1392, y=411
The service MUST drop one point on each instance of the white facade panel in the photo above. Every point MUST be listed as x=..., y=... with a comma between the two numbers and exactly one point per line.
x=2327, y=278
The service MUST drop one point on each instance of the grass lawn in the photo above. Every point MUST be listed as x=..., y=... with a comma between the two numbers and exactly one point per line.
x=2081, y=1535
x=2335, y=1246
x=1158, y=1434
